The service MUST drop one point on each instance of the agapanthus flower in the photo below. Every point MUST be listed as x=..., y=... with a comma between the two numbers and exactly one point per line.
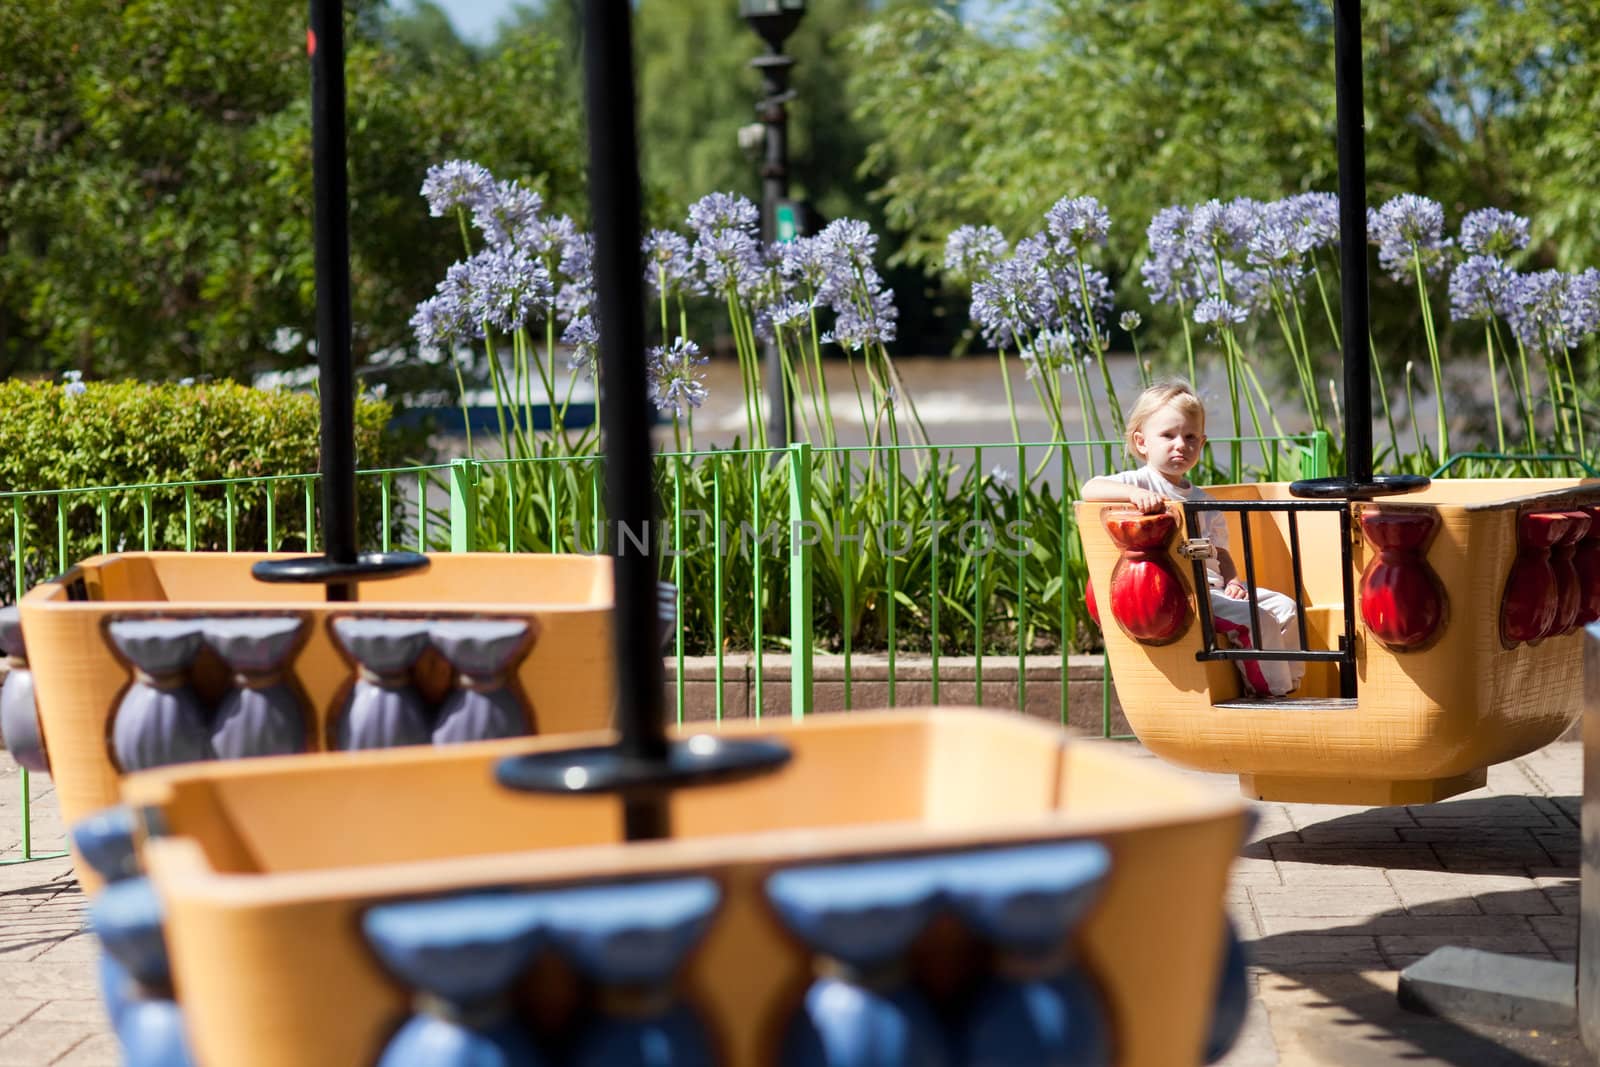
x=1317, y=215
x=1012, y=301
x=860, y=323
x=445, y=319
x=503, y=211
x=1130, y=321
x=970, y=251
x=723, y=211
x=1167, y=267
x=1086, y=322
x=1478, y=287
x=730, y=259
x=669, y=264
x=1003, y=476
x=804, y=260
x=584, y=340
x=1047, y=352
x=1492, y=232
x=790, y=312
x=1077, y=222
x=547, y=239
x=675, y=384
x=1581, y=316
x=73, y=383
x=1213, y=311
x=507, y=287
x=1408, y=226
x=455, y=183
x=1537, y=306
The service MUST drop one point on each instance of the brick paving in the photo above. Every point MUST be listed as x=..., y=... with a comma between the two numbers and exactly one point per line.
x=1332, y=901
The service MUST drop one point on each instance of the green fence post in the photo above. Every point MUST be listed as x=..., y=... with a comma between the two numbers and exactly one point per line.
x=1314, y=457
x=463, y=505
x=801, y=635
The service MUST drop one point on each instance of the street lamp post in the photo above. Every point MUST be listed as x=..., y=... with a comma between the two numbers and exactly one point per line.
x=774, y=20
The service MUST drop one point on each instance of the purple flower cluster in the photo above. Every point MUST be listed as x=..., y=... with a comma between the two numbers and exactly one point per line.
x=971, y=251
x=676, y=385
x=1043, y=299
x=1551, y=310
x=1492, y=232
x=1407, y=230
x=669, y=265
x=1237, y=252
x=1479, y=287
x=532, y=267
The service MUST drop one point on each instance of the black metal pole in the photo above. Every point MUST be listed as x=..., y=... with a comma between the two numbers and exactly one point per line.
x=774, y=115
x=325, y=43
x=1353, y=239
x=624, y=407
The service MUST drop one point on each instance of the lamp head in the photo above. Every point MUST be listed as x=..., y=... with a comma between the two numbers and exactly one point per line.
x=774, y=20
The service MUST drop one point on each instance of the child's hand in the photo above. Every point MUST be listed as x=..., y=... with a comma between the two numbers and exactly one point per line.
x=1235, y=590
x=1146, y=501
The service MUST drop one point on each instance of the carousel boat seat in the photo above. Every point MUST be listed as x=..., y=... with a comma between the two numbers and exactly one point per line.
x=142, y=660
x=911, y=887
x=1463, y=604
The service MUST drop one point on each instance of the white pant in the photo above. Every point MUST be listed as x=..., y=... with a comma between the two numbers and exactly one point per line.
x=1277, y=615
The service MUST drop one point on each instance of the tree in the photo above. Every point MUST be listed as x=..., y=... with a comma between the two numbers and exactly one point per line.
x=1150, y=102
x=155, y=180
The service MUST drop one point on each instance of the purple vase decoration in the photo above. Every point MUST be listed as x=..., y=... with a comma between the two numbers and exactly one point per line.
x=19, y=715
x=630, y=940
x=161, y=719
x=484, y=703
x=262, y=714
x=384, y=708
x=462, y=956
x=861, y=919
x=1038, y=1007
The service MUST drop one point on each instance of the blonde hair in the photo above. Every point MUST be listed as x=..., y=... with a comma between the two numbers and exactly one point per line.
x=1176, y=394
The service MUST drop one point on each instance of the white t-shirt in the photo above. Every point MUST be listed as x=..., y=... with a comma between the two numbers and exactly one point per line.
x=1212, y=524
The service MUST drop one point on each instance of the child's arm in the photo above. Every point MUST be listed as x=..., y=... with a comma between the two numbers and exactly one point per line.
x=1232, y=587
x=1111, y=490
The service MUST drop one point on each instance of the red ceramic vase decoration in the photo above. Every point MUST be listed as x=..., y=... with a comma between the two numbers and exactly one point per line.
x=1586, y=560
x=1568, y=591
x=1402, y=602
x=1089, y=603
x=1528, y=609
x=1148, y=599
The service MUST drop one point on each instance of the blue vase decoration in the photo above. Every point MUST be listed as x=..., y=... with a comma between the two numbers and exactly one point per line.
x=384, y=709
x=161, y=719
x=262, y=714
x=19, y=715
x=861, y=919
x=105, y=841
x=667, y=612
x=631, y=940
x=462, y=956
x=1233, y=997
x=126, y=916
x=485, y=654
x=1038, y=1007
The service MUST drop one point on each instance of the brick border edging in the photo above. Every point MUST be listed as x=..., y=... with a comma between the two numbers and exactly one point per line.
x=913, y=686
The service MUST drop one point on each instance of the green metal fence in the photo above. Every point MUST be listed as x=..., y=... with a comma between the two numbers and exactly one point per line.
x=960, y=557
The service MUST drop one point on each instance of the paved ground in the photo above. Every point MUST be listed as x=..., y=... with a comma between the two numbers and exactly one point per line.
x=1333, y=901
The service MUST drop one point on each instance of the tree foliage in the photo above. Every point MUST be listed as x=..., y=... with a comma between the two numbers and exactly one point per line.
x=1149, y=102
x=155, y=179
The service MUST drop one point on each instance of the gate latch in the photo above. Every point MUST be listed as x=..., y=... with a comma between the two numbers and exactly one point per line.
x=1197, y=548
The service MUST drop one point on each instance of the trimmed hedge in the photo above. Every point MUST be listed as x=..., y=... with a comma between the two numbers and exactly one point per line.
x=128, y=433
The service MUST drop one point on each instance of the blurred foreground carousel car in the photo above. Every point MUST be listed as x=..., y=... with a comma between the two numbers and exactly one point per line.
x=916, y=888
x=1443, y=629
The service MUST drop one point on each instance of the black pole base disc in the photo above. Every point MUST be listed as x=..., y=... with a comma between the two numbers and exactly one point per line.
x=1352, y=489
x=367, y=567
x=700, y=760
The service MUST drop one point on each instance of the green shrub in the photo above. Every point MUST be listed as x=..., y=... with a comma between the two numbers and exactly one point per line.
x=132, y=433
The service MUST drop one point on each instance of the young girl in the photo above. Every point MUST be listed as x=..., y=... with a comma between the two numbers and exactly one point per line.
x=1166, y=429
